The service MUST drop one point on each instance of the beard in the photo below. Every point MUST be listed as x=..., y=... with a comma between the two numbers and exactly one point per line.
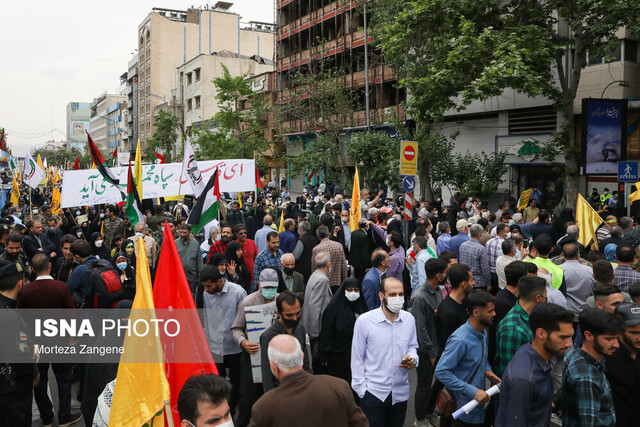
x=486, y=321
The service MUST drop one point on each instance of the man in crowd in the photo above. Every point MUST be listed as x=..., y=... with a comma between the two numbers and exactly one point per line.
x=373, y=278
x=249, y=391
x=235, y=216
x=269, y=257
x=219, y=300
x=579, y=279
x=531, y=212
x=149, y=244
x=494, y=250
x=625, y=275
x=226, y=235
x=526, y=391
x=380, y=337
x=290, y=279
x=47, y=293
x=112, y=224
x=464, y=364
x=189, y=251
x=289, y=314
x=473, y=254
x=424, y=302
x=13, y=252
x=444, y=241
x=586, y=394
x=301, y=398
x=66, y=263
x=543, y=227
x=261, y=235
x=249, y=248
x=360, y=252
x=204, y=401
x=288, y=238
x=623, y=367
x=514, y=330
x=32, y=243
x=463, y=235
x=316, y=298
x=304, y=249
x=542, y=247
x=422, y=254
x=338, y=261
x=509, y=255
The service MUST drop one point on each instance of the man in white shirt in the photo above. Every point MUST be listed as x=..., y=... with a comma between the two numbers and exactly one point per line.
x=509, y=251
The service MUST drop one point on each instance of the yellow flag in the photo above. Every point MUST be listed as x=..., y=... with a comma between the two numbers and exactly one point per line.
x=588, y=220
x=240, y=200
x=281, y=227
x=39, y=161
x=137, y=171
x=141, y=388
x=636, y=194
x=55, y=201
x=355, y=213
x=15, y=192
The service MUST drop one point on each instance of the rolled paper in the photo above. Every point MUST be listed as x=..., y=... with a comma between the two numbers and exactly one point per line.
x=473, y=403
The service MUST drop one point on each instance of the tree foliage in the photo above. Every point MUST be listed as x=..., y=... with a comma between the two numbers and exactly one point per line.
x=164, y=137
x=320, y=100
x=377, y=155
x=236, y=132
x=450, y=53
x=476, y=174
x=60, y=156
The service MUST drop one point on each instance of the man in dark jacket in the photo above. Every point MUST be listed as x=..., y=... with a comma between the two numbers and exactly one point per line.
x=543, y=226
x=361, y=249
x=304, y=249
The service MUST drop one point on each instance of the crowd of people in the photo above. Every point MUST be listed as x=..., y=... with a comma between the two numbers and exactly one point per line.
x=465, y=296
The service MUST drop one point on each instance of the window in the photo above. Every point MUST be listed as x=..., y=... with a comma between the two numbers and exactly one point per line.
x=197, y=74
x=189, y=103
x=532, y=120
x=197, y=102
x=189, y=77
x=630, y=50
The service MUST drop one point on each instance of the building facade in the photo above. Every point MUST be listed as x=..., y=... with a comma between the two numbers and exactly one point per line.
x=106, y=124
x=168, y=38
x=78, y=121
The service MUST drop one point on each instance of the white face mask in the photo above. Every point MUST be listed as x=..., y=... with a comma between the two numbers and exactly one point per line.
x=98, y=243
x=35, y=211
x=101, y=215
x=138, y=234
x=508, y=235
x=485, y=214
x=394, y=304
x=352, y=296
x=226, y=424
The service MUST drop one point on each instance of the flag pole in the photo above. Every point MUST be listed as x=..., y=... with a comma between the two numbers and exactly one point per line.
x=180, y=181
x=168, y=413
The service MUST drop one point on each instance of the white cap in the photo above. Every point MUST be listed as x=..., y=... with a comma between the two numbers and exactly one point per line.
x=462, y=224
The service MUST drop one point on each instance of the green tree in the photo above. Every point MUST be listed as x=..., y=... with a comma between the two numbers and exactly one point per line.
x=164, y=137
x=450, y=53
x=475, y=174
x=319, y=99
x=60, y=156
x=237, y=132
x=377, y=155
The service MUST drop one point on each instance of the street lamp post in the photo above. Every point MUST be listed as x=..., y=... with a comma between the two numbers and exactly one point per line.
x=621, y=83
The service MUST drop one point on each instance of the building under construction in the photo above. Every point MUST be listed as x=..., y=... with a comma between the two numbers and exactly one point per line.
x=309, y=31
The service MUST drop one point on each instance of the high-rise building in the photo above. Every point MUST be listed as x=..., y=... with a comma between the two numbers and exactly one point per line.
x=168, y=38
x=131, y=122
x=78, y=120
x=106, y=121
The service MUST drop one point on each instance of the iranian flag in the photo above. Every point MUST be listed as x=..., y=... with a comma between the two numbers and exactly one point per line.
x=134, y=207
x=159, y=155
x=208, y=205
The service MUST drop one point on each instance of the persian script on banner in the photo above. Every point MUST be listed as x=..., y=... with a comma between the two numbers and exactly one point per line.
x=87, y=187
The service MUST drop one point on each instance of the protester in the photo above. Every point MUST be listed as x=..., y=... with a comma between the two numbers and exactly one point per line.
x=204, y=400
x=380, y=337
x=338, y=260
x=269, y=257
x=290, y=279
x=473, y=254
x=373, y=278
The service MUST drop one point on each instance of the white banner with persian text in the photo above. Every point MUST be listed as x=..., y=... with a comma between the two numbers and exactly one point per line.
x=87, y=187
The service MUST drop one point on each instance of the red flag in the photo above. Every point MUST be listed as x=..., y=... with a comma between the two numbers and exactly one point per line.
x=171, y=290
x=258, y=182
x=3, y=145
x=114, y=157
x=76, y=165
x=159, y=154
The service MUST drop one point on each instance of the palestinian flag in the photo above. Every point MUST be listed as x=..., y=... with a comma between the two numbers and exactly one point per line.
x=206, y=208
x=114, y=158
x=134, y=207
x=258, y=182
x=159, y=155
x=100, y=163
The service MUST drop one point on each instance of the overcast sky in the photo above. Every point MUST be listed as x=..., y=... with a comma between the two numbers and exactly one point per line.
x=56, y=52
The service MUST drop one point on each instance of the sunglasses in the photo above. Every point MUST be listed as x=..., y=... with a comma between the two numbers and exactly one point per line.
x=242, y=233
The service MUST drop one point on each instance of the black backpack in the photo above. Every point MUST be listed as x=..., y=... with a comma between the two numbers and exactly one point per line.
x=106, y=285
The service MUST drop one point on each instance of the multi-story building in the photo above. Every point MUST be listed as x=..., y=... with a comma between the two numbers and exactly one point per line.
x=513, y=120
x=131, y=122
x=106, y=121
x=168, y=38
x=78, y=120
x=196, y=91
x=313, y=30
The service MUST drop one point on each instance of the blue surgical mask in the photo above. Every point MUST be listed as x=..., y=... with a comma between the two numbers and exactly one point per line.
x=121, y=265
x=269, y=293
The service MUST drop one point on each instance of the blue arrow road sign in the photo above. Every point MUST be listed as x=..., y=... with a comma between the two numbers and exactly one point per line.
x=628, y=171
x=409, y=183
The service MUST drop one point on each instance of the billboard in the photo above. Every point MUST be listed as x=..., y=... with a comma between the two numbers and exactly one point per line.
x=604, y=134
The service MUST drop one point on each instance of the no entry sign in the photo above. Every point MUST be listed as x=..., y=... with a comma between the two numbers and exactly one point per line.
x=408, y=158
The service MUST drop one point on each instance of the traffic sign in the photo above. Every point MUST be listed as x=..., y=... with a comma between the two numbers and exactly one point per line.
x=628, y=171
x=408, y=183
x=408, y=158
